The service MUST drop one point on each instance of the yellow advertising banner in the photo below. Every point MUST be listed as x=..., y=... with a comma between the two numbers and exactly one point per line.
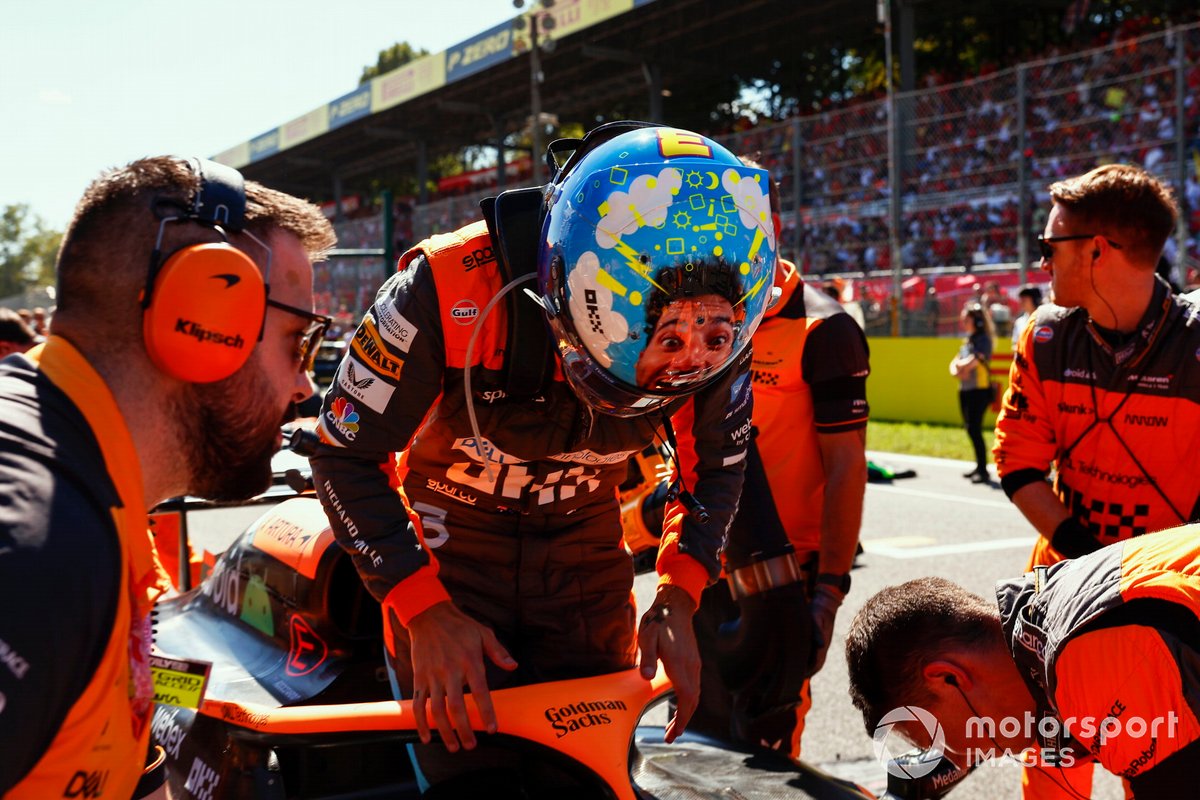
x=236, y=157
x=421, y=76
x=570, y=16
x=301, y=129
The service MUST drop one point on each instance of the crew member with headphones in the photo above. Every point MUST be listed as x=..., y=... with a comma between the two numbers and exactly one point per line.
x=180, y=345
x=970, y=367
x=1105, y=382
x=1094, y=659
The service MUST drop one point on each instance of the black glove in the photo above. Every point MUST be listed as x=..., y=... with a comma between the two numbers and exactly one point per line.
x=1072, y=539
x=824, y=607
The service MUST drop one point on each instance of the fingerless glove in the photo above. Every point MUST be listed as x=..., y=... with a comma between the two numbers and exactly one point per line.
x=1072, y=539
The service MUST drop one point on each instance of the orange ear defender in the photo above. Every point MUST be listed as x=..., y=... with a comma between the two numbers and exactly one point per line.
x=204, y=304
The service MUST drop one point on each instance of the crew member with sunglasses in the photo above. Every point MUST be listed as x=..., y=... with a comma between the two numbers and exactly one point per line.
x=1105, y=382
x=183, y=327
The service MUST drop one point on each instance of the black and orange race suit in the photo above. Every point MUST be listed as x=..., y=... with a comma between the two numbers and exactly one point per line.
x=78, y=578
x=554, y=470
x=809, y=375
x=1120, y=422
x=1109, y=646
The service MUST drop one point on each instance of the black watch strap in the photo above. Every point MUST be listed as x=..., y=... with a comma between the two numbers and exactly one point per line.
x=839, y=582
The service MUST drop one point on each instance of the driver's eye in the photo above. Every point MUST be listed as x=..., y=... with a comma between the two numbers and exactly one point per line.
x=671, y=343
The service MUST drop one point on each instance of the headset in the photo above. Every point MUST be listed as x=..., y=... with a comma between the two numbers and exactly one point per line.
x=204, y=305
x=1064, y=784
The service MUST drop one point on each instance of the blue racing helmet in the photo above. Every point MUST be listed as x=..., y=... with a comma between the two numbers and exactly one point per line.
x=656, y=263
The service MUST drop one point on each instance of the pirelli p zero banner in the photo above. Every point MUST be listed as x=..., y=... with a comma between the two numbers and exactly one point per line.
x=479, y=52
x=493, y=46
x=349, y=107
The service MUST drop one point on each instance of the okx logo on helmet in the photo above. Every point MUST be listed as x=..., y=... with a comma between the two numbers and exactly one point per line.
x=656, y=264
x=204, y=304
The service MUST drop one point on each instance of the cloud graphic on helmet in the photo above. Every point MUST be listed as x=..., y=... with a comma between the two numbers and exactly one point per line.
x=753, y=202
x=596, y=323
x=645, y=203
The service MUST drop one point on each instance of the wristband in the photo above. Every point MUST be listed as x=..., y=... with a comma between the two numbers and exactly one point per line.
x=827, y=596
x=839, y=582
x=770, y=573
x=1072, y=539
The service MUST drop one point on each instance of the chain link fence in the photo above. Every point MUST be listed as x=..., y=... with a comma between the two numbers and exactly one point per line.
x=345, y=285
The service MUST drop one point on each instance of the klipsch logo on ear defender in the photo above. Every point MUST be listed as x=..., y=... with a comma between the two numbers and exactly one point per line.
x=189, y=328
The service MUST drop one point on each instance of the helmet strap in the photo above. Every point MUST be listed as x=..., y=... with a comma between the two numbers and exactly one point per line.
x=514, y=220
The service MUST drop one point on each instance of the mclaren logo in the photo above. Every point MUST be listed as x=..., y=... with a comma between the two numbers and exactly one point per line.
x=230, y=279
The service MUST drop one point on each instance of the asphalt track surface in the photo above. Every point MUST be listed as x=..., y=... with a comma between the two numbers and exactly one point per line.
x=935, y=523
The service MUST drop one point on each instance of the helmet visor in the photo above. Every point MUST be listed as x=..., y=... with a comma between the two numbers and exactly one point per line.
x=668, y=269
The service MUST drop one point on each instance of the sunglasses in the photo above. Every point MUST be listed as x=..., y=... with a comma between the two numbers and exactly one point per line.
x=311, y=337
x=1045, y=242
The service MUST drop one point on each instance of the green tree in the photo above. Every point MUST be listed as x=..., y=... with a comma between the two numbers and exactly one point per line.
x=951, y=40
x=392, y=58
x=958, y=41
x=27, y=250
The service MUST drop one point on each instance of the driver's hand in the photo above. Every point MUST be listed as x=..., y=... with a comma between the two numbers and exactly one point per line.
x=665, y=634
x=447, y=655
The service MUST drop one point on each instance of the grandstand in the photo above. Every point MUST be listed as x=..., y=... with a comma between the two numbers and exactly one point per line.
x=974, y=156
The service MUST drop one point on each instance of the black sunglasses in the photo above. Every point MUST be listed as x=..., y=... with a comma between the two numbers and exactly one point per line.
x=1047, y=251
x=312, y=336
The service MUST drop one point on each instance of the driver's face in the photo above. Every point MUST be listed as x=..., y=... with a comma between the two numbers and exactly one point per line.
x=693, y=338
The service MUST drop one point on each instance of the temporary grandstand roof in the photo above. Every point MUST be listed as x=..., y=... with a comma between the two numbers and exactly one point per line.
x=604, y=56
x=609, y=56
